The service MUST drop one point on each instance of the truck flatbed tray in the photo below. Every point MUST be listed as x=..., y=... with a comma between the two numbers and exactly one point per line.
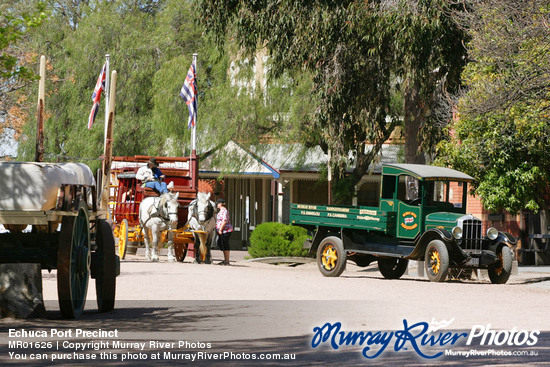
x=367, y=218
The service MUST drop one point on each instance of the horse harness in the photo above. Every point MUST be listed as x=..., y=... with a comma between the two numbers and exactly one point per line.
x=160, y=210
x=209, y=210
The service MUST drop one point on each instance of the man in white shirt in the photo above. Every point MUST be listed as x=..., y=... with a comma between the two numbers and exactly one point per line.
x=152, y=177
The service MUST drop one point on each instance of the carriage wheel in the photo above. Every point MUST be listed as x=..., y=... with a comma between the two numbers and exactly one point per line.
x=105, y=267
x=123, y=238
x=180, y=249
x=73, y=263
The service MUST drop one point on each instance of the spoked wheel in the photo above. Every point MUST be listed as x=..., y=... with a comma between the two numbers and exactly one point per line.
x=436, y=261
x=123, y=238
x=73, y=263
x=499, y=273
x=392, y=268
x=180, y=249
x=331, y=257
x=104, y=267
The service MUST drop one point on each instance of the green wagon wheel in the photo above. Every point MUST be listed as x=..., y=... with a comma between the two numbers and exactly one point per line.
x=73, y=263
x=104, y=267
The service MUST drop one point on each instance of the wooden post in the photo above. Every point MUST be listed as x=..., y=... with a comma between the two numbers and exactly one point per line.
x=39, y=151
x=108, y=148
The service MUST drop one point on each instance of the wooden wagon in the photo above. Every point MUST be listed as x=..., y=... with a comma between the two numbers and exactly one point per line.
x=127, y=193
x=68, y=232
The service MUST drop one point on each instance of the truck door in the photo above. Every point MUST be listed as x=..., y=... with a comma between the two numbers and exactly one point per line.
x=408, y=207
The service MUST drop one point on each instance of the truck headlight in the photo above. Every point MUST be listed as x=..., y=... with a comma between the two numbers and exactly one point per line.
x=457, y=233
x=492, y=233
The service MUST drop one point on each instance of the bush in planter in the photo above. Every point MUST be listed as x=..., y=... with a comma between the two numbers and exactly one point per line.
x=276, y=239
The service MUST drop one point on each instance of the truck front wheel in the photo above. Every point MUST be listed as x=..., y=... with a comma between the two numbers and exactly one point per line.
x=331, y=257
x=501, y=270
x=436, y=261
x=392, y=268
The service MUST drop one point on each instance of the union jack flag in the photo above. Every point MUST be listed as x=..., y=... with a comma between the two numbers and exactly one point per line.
x=96, y=96
x=189, y=94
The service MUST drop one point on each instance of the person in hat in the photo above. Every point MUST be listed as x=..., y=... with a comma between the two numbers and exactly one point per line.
x=152, y=177
x=224, y=229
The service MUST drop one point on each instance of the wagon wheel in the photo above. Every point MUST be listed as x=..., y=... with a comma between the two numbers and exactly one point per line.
x=104, y=267
x=123, y=238
x=180, y=249
x=73, y=263
x=331, y=257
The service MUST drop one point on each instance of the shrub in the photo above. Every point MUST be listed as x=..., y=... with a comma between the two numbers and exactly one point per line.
x=276, y=239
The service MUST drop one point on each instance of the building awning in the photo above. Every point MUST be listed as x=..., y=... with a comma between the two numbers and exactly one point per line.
x=235, y=160
x=273, y=160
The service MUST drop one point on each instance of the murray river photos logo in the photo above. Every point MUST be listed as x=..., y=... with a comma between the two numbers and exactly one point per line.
x=422, y=338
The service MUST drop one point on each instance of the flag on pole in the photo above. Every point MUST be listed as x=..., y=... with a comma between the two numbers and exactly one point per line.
x=96, y=96
x=189, y=94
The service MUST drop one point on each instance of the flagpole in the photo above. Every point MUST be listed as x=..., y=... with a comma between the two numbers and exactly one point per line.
x=107, y=73
x=194, y=166
x=194, y=128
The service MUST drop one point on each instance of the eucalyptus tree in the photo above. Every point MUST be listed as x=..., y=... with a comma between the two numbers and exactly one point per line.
x=359, y=54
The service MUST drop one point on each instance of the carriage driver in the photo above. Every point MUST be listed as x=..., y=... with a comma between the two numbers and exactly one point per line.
x=152, y=177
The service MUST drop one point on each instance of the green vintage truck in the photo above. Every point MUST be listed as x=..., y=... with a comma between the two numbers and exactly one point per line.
x=421, y=216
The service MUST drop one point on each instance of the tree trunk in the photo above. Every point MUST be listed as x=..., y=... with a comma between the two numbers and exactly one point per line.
x=414, y=119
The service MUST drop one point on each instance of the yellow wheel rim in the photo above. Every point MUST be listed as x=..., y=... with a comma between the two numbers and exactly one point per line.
x=435, y=261
x=123, y=237
x=329, y=257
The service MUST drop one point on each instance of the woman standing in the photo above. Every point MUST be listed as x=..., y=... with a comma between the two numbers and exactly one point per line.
x=224, y=229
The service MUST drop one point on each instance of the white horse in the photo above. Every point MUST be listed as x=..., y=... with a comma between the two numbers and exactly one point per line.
x=157, y=214
x=202, y=217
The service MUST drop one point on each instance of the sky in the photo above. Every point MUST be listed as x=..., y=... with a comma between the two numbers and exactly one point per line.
x=8, y=145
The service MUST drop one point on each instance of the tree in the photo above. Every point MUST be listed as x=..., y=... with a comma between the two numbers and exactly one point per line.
x=359, y=54
x=503, y=133
x=151, y=45
x=15, y=22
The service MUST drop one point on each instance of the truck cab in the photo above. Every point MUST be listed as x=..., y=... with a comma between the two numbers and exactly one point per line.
x=423, y=197
x=421, y=216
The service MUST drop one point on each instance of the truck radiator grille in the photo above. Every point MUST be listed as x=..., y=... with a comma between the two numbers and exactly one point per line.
x=472, y=234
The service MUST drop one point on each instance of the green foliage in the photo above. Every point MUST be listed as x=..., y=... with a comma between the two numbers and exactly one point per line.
x=150, y=45
x=354, y=52
x=277, y=239
x=503, y=134
x=13, y=26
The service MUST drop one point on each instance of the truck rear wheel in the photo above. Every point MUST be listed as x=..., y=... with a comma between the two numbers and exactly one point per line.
x=436, y=261
x=501, y=270
x=392, y=268
x=331, y=257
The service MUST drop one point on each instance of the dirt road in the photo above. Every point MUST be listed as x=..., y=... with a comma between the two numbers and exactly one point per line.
x=254, y=307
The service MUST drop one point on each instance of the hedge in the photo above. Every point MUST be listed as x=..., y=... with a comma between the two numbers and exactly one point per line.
x=277, y=239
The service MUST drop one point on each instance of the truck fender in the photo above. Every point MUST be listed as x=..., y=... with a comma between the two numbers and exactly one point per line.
x=319, y=236
x=422, y=241
x=503, y=239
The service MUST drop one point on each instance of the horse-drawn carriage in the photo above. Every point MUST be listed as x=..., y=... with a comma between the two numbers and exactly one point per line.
x=68, y=233
x=127, y=195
